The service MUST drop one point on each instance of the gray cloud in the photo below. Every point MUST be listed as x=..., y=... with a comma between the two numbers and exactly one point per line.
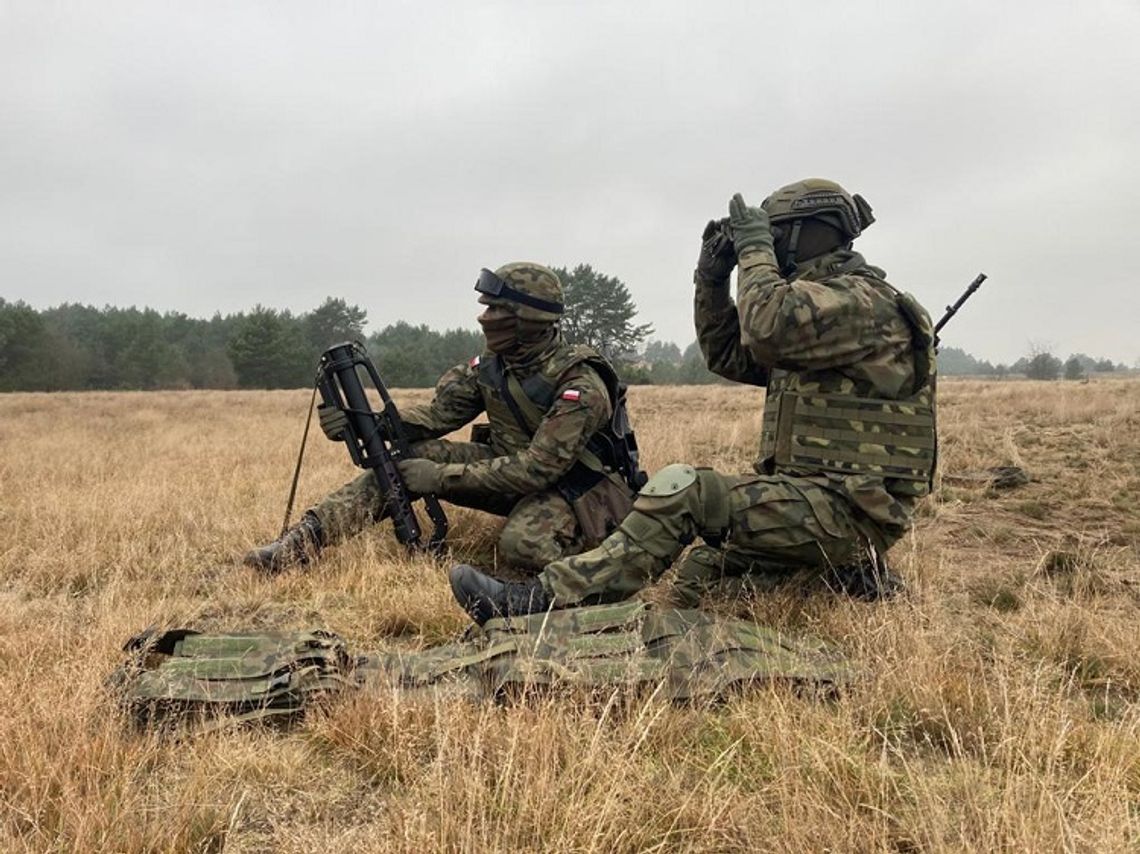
x=198, y=157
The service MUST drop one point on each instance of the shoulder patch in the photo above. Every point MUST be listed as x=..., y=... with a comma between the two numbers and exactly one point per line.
x=571, y=394
x=474, y=363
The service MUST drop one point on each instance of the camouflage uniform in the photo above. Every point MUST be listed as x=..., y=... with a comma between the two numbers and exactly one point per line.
x=516, y=474
x=545, y=400
x=848, y=442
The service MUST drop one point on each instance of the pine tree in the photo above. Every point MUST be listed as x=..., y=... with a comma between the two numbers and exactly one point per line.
x=599, y=311
x=268, y=350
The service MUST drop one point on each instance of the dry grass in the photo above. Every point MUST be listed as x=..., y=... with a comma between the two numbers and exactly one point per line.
x=999, y=709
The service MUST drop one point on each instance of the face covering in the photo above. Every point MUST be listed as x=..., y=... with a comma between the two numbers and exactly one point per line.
x=501, y=332
x=534, y=334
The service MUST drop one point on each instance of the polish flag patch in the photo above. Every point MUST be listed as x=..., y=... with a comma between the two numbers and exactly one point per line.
x=571, y=394
x=474, y=363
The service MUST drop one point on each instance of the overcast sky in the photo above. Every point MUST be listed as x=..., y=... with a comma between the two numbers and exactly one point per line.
x=211, y=156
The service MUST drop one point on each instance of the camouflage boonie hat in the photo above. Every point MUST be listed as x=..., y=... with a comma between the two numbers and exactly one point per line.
x=531, y=289
x=826, y=200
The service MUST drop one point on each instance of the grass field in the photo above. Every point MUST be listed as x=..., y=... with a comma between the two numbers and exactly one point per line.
x=997, y=709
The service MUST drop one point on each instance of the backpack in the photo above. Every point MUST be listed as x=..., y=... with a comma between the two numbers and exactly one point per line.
x=184, y=677
x=616, y=444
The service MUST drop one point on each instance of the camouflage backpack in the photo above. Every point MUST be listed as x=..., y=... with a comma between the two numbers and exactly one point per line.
x=686, y=654
x=182, y=676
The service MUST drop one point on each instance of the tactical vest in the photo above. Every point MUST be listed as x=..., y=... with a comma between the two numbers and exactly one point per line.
x=515, y=407
x=682, y=654
x=207, y=680
x=823, y=421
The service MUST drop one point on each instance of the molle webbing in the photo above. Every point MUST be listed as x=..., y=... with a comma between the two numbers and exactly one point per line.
x=537, y=387
x=528, y=400
x=680, y=655
x=511, y=425
x=190, y=678
x=524, y=404
x=850, y=435
x=588, y=469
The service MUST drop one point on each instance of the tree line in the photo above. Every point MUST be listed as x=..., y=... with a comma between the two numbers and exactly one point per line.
x=1038, y=364
x=80, y=347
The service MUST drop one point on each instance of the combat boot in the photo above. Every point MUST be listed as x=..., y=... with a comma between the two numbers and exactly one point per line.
x=484, y=597
x=298, y=546
x=869, y=579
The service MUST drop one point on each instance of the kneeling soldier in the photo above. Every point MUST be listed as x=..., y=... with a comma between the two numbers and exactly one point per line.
x=554, y=458
x=847, y=447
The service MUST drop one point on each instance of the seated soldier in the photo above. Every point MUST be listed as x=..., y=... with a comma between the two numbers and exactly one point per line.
x=847, y=447
x=547, y=460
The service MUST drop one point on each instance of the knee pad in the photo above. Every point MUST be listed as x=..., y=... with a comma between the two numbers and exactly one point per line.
x=670, y=490
x=669, y=481
x=700, y=493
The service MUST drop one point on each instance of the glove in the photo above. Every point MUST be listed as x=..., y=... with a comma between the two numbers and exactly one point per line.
x=333, y=422
x=421, y=476
x=718, y=254
x=750, y=228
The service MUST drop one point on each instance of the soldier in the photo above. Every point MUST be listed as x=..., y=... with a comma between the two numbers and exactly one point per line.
x=549, y=459
x=847, y=447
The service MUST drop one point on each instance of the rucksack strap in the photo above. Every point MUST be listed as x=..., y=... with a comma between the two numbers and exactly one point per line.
x=526, y=411
x=529, y=416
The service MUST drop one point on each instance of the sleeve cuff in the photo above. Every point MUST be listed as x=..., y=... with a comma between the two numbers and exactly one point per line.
x=452, y=473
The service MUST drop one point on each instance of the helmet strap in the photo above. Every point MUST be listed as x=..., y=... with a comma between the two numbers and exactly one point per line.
x=793, y=242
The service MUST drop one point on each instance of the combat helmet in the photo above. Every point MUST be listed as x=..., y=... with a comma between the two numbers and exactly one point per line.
x=816, y=199
x=532, y=290
x=826, y=200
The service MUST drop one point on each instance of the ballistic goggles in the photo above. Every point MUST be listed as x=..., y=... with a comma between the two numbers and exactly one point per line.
x=491, y=285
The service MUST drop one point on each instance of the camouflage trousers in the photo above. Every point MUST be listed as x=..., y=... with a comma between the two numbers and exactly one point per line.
x=757, y=525
x=541, y=527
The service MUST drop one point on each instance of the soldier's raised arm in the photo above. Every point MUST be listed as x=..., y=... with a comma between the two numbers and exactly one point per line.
x=715, y=314
x=789, y=318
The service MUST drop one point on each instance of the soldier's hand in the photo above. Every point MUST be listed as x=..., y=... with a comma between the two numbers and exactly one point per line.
x=333, y=422
x=718, y=254
x=750, y=228
x=421, y=476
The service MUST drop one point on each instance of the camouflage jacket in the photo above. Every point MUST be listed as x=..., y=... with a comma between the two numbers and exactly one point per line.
x=525, y=462
x=835, y=327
